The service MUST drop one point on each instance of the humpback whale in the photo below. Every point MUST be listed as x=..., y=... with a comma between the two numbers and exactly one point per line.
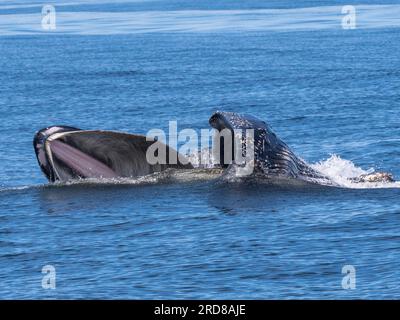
x=65, y=153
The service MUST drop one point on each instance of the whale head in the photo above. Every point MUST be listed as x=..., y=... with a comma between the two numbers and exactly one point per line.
x=270, y=153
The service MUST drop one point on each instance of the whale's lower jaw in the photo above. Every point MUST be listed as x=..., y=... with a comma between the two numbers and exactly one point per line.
x=66, y=153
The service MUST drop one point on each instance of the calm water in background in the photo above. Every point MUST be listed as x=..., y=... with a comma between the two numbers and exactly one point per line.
x=324, y=91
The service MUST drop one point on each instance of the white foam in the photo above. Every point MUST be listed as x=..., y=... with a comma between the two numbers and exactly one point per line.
x=341, y=170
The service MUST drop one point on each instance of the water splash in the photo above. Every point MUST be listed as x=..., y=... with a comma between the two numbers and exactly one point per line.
x=341, y=170
x=203, y=159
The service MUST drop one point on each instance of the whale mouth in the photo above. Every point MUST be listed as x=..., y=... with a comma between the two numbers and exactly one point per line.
x=50, y=165
x=61, y=157
x=66, y=153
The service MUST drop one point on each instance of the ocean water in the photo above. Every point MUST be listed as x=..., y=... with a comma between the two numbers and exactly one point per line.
x=332, y=94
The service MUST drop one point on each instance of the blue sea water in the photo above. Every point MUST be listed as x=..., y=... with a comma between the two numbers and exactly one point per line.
x=325, y=91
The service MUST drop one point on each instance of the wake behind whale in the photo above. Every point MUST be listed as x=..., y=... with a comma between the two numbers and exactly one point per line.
x=68, y=154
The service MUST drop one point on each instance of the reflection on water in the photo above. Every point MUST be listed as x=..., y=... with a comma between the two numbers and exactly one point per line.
x=131, y=22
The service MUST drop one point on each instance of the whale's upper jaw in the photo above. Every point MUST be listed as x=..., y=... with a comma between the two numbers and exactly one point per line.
x=44, y=158
x=231, y=120
x=272, y=156
x=264, y=139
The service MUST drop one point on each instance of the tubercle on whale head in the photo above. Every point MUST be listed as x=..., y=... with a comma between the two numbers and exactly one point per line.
x=232, y=120
x=229, y=120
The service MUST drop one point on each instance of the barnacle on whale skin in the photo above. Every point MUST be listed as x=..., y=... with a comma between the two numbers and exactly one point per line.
x=374, y=177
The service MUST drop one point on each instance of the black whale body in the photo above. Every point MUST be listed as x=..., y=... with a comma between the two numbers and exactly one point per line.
x=66, y=153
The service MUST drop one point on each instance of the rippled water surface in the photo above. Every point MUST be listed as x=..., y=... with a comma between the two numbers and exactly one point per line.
x=331, y=94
